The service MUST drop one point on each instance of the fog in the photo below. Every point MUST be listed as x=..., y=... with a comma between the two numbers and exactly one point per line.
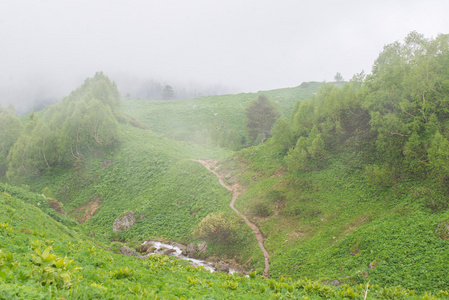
x=200, y=46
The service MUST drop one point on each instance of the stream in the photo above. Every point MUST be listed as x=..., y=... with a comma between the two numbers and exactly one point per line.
x=177, y=252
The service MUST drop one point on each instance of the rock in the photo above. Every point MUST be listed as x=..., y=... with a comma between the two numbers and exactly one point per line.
x=124, y=222
x=202, y=247
x=191, y=250
x=56, y=205
x=222, y=267
x=364, y=273
x=146, y=248
x=130, y=252
x=335, y=282
x=105, y=163
x=442, y=230
x=228, y=176
x=168, y=251
x=180, y=246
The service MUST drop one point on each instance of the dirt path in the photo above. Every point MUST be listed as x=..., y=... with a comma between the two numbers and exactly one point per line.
x=235, y=193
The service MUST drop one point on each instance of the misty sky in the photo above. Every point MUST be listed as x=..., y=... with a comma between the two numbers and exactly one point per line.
x=47, y=48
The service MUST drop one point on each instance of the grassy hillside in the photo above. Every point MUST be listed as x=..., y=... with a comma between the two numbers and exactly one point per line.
x=152, y=174
x=198, y=120
x=43, y=259
x=352, y=188
x=329, y=225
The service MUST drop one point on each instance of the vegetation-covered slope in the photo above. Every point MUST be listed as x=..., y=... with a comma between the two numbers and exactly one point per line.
x=43, y=259
x=217, y=120
x=351, y=188
x=355, y=187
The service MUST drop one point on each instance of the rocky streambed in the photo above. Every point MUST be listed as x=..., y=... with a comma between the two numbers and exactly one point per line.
x=183, y=252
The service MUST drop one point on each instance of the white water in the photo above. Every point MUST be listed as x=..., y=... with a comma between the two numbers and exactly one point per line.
x=178, y=253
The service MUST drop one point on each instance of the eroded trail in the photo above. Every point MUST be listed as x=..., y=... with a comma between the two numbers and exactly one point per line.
x=235, y=193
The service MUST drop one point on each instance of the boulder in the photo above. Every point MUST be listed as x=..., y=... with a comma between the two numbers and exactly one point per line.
x=180, y=246
x=202, y=247
x=124, y=222
x=335, y=282
x=130, y=252
x=105, y=163
x=168, y=251
x=191, y=250
x=222, y=267
x=146, y=248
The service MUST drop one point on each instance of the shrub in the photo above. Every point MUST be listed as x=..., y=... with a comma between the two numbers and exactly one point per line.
x=262, y=209
x=217, y=228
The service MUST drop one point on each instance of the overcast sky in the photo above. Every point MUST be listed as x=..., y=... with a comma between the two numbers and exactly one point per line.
x=49, y=47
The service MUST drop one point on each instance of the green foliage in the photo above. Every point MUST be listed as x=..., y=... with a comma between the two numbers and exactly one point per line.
x=121, y=273
x=438, y=155
x=168, y=93
x=371, y=215
x=52, y=270
x=11, y=128
x=110, y=276
x=82, y=123
x=210, y=120
x=308, y=153
x=217, y=228
x=261, y=209
x=283, y=135
x=383, y=175
x=407, y=96
x=261, y=114
x=47, y=192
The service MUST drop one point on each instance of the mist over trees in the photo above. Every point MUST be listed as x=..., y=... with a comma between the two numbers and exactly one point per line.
x=83, y=122
x=168, y=93
x=261, y=114
x=11, y=129
x=152, y=89
x=394, y=122
x=40, y=93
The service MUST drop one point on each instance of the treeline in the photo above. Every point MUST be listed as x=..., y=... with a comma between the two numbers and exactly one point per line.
x=83, y=122
x=393, y=123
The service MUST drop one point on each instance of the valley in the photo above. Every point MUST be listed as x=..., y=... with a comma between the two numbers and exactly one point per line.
x=324, y=190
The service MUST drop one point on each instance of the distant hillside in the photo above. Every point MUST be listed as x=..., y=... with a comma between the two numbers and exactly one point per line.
x=207, y=119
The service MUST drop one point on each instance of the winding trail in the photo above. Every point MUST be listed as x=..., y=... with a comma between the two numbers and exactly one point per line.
x=235, y=193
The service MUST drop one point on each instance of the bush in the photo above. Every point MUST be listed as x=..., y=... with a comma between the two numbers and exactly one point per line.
x=262, y=209
x=217, y=228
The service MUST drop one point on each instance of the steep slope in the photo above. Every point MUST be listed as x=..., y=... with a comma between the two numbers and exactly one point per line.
x=329, y=225
x=235, y=193
x=43, y=259
x=150, y=173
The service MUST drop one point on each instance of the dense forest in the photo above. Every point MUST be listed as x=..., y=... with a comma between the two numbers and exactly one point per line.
x=348, y=183
x=393, y=123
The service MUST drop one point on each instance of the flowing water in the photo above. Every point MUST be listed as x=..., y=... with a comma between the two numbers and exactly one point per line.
x=178, y=253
